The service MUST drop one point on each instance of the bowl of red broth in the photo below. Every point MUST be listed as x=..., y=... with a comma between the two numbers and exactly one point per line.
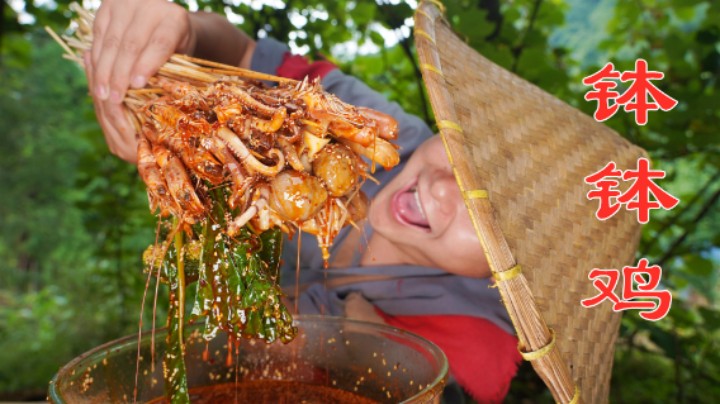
x=332, y=360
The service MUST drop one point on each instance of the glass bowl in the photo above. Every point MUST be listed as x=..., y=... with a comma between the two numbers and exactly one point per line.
x=331, y=360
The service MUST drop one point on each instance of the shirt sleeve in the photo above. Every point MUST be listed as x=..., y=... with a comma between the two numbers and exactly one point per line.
x=483, y=358
x=268, y=55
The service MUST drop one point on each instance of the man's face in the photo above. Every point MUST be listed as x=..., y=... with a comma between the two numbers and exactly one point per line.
x=422, y=214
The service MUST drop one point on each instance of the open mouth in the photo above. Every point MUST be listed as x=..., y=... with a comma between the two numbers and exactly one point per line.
x=408, y=209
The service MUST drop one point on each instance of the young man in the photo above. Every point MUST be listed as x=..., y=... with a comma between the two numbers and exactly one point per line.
x=416, y=264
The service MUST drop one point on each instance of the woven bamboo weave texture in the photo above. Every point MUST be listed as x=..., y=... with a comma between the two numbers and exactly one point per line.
x=531, y=153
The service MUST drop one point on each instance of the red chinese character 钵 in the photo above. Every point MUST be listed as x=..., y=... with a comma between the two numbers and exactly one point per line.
x=635, y=98
x=606, y=191
x=640, y=97
x=638, y=195
x=603, y=95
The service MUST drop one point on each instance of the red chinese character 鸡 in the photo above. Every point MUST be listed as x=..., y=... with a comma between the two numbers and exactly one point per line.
x=606, y=288
x=652, y=311
x=645, y=289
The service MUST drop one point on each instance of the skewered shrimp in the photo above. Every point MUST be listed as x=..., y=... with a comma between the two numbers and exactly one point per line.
x=157, y=191
x=381, y=152
x=179, y=184
x=287, y=157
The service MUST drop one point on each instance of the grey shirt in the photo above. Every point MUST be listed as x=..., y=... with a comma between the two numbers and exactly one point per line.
x=408, y=289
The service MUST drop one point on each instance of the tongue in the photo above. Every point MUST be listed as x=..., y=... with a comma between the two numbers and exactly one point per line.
x=410, y=210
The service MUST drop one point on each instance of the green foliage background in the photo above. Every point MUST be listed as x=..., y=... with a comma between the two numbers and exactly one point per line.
x=74, y=219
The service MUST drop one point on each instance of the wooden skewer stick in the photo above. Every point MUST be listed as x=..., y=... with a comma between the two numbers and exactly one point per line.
x=183, y=72
x=59, y=40
x=234, y=70
x=181, y=66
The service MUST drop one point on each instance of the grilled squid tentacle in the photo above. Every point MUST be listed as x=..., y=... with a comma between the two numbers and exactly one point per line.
x=225, y=112
x=251, y=103
x=291, y=154
x=247, y=158
x=273, y=124
x=237, y=223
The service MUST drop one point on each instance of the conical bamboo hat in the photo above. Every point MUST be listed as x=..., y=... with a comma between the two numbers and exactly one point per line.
x=520, y=157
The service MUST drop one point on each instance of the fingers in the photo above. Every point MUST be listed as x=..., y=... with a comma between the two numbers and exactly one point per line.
x=117, y=66
x=118, y=131
x=161, y=44
x=108, y=32
x=133, y=38
x=102, y=20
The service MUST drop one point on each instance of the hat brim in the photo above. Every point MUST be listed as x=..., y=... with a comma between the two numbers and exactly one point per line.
x=520, y=156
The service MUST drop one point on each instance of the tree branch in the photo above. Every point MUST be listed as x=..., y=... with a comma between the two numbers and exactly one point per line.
x=675, y=218
x=689, y=229
x=405, y=44
x=517, y=51
x=493, y=15
x=680, y=391
x=392, y=83
x=2, y=27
